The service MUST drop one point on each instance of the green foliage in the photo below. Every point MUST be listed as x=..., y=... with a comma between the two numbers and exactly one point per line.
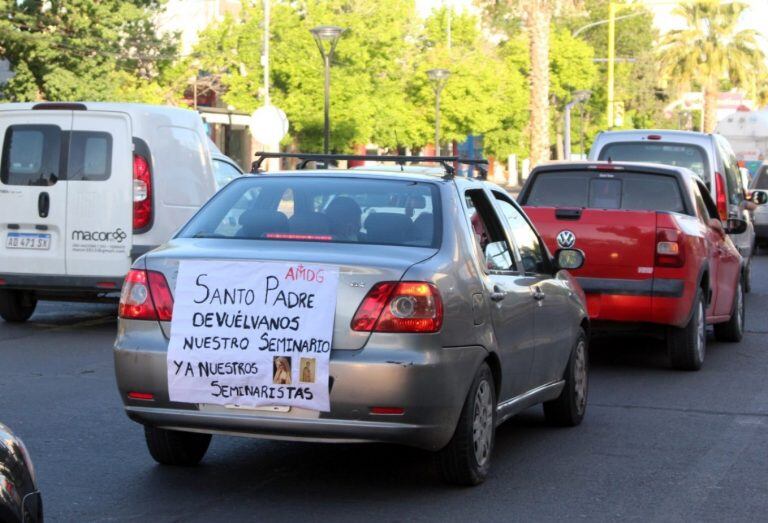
x=81, y=49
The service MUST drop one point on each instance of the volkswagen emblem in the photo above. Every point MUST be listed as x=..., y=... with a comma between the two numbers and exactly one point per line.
x=566, y=239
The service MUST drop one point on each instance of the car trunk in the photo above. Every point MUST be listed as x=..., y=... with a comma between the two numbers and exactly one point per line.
x=360, y=267
x=618, y=243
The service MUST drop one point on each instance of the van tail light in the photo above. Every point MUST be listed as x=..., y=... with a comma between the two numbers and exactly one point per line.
x=720, y=198
x=145, y=296
x=142, y=193
x=670, y=250
x=407, y=306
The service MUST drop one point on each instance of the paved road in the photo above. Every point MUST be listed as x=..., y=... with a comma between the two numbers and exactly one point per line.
x=656, y=444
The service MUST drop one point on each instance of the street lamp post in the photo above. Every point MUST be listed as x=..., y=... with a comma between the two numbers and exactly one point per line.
x=579, y=97
x=327, y=35
x=439, y=77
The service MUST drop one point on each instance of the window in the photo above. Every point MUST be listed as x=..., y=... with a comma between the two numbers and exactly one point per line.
x=709, y=204
x=701, y=207
x=31, y=155
x=526, y=239
x=596, y=190
x=732, y=172
x=690, y=156
x=90, y=156
x=488, y=233
x=224, y=172
x=761, y=180
x=328, y=209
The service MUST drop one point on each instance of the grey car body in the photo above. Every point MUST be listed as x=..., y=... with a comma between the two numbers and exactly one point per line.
x=760, y=182
x=523, y=325
x=718, y=157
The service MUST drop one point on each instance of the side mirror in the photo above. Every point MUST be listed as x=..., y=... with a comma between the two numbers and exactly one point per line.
x=569, y=259
x=759, y=197
x=735, y=226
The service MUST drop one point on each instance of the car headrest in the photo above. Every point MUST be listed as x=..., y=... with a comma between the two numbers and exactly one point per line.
x=423, y=228
x=388, y=227
x=309, y=223
x=254, y=223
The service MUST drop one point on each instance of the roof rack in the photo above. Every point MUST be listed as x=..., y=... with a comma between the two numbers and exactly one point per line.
x=446, y=161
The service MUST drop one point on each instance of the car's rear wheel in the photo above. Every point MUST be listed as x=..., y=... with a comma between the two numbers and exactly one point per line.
x=568, y=409
x=748, y=273
x=733, y=329
x=174, y=447
x=17, y=306
x=687, y=346
x=466, y=459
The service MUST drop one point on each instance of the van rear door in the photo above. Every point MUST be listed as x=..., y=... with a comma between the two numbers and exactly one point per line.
x=33, y=194
x=100, y=194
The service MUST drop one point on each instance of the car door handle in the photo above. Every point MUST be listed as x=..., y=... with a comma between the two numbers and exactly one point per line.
x=537, y=294
x=43, y=204
x=498, y=294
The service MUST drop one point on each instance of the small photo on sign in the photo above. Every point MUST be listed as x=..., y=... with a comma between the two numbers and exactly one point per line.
x=307, y=366
x=281, y=367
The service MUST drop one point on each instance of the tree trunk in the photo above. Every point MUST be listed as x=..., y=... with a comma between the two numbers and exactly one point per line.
x=710, y=108
x=538, y=18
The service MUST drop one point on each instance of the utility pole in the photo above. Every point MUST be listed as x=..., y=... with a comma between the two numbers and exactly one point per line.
x=611, y=60
x=265, y=56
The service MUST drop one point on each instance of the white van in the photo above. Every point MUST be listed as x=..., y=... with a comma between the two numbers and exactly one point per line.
x=86, y=188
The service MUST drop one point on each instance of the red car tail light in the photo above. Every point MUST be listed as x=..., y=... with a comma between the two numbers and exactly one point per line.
x=146, y=296
x=142, y=193
x=720, y=198
x=400, y=307
x=670, y=250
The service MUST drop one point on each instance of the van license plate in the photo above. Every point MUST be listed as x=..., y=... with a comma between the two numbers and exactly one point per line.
x=25, y=240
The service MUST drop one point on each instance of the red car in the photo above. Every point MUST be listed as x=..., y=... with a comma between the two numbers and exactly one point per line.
x=658, y=258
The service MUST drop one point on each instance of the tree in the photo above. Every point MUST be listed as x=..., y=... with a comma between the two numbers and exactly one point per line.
x=79, y=49
x=709, y=50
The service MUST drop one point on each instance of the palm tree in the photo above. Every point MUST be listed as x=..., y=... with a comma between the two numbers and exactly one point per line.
x=709, y=50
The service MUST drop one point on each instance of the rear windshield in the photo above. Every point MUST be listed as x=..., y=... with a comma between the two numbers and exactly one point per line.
x=597, y=190
x=327, y=209
x=761, y=180
x=692, y=157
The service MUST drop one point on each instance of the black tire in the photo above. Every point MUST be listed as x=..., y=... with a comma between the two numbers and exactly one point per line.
x=748, y=275
x=17, y=306
x=466, y=459
x=174, y=447
x=568, y=409
x=733, y=329
x=687, y=346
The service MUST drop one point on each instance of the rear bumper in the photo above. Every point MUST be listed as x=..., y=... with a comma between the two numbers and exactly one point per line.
x=429, y=384
x=63, y=286
x=653, y=300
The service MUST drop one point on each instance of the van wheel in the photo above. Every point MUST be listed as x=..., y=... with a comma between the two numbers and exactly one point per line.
x=17, y=306
x=568, y=409
x=174, y=447
x=733, y=329
x=687, y=346
x=466, y=459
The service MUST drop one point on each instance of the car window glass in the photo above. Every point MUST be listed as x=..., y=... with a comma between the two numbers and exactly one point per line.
x=605, y=193
x=559, y=190
x=690, y=156
x=732, y=173
x=708, y=202
x=487, y=232
x=90, y=156
x=528, y=243
x=31, y=155
x=328, y=209
x=224, y=172
x=701, y=207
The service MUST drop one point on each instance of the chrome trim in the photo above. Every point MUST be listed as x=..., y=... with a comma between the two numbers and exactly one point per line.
x=519, y=403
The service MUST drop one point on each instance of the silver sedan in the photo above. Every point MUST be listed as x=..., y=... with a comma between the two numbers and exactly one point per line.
x=450, y=316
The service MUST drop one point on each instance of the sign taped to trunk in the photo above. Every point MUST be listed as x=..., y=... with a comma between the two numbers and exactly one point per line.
x=252, y=334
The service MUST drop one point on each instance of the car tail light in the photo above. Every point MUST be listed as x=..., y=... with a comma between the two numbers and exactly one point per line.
x=146, y=396
x=142, y=193
x=400, y=307
x=654, y=137
x=670, y=250
x=720, y=198
x=146, y=296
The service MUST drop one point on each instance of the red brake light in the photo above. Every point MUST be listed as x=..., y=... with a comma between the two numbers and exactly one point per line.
x=654, y=137
x=670, y=250
x=720, y=199
x=146, y=296
x=142, y=193
x=400, y=307
x=146, y=396
x=300, y=237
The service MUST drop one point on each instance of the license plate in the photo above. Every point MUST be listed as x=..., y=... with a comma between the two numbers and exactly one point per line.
x=28, y=240
x=269, y=408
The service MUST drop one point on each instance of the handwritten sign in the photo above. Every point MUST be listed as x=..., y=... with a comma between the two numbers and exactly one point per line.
x=252, y=334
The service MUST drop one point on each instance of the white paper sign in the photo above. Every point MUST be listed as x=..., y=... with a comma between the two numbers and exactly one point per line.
x=252, y=334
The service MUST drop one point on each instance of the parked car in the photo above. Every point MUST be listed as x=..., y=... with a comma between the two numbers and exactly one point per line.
x=85, y=189
x=710, y=156
x=659, y=259
x=759, y=193
x=443, y=323
x=20, y=499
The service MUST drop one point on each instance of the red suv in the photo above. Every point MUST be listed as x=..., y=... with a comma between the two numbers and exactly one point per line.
x=658, y=257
